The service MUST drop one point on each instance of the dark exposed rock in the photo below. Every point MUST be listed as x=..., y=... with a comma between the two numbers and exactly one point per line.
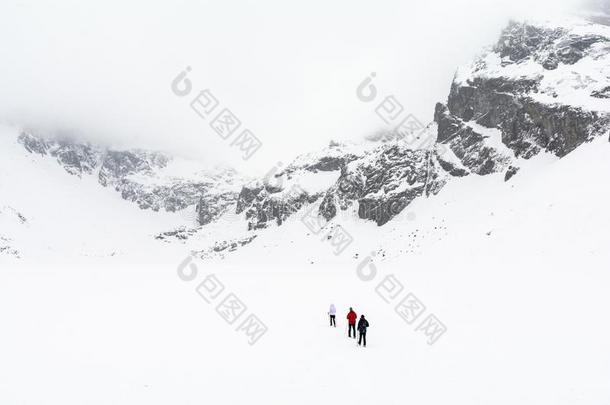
x=180, y=234
x=519, y=41
x=512, y=170
x=384, y=183
x=549, y=46
x=328, y=164
x=395, y=178
x=248, y=195
x=468, y=145
x=263, y=207
x=451, y=168
x=551, y=62
x=603, y=93
x=265, y=204
x=527, y=126
x=573, y=48
x=346, y=191
x=213, y=205
x=486, y=99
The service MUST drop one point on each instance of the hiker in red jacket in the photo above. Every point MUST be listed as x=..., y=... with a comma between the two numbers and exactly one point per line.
x=351, y=319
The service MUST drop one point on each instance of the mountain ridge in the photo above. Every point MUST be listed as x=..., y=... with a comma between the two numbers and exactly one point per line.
x=542, y=88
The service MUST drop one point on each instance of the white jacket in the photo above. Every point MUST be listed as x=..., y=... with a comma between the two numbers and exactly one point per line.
x=332, y=310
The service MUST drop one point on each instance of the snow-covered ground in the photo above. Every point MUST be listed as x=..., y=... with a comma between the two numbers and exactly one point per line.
x=95, y=311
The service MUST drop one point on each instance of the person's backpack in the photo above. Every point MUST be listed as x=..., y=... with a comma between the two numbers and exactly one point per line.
x=362, y=325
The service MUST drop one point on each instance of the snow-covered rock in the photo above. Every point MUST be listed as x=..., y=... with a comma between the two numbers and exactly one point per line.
x=543, y=87
x=11, y=221
x=380, y=178
x=152, y=180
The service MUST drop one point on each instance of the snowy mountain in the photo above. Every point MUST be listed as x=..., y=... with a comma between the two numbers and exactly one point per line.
x=380, y=179
x=152, y=180
x=542, y=88
x=481, y=260
x=78, y=199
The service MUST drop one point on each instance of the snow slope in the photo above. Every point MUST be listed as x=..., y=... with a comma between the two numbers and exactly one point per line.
x=518, y=273
x=69, y=216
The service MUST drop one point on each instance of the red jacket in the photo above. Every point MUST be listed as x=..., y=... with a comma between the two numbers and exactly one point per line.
x=351, y=317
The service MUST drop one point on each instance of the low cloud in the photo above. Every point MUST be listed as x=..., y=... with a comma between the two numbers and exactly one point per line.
x=288, y=71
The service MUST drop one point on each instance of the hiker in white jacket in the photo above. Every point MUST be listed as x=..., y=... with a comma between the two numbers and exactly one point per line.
x=332, y=312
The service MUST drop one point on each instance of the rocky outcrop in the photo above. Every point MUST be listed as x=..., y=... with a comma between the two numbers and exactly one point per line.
x=267, y=205
x=473, y=144
x=378, y=181
x=180, y=234
x=511, y=172
x=511, y=89
x=527, y=125
x=385, y=182
x=281, y=193
x=11, y=224
x=545, y=44
x=601, y=93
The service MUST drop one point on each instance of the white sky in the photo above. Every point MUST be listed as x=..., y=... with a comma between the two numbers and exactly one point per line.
x=288, y=70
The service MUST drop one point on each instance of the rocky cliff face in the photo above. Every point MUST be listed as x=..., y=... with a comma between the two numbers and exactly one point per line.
x=376, y=180
x=284, y=191
x=150, y=179
x=542, y=87
x=384, y=182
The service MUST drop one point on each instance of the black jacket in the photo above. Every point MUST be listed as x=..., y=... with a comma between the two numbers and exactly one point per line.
x=362, y=325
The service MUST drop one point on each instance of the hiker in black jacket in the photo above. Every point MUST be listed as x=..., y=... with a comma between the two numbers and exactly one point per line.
x=362, y=325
